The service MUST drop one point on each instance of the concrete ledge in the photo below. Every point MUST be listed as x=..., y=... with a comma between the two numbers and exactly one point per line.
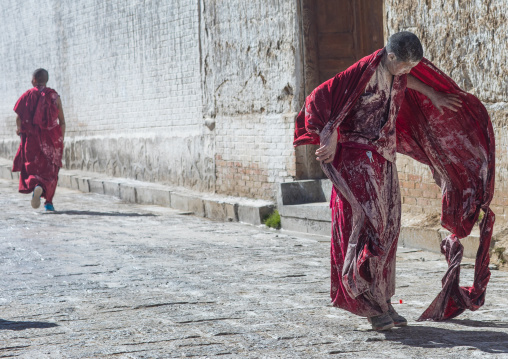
x=221, y=210
x=306, y=225
x=470, y=243
x=5, y=172
x=83, y=184
x=64, y=179
x=201, y=204
x=96, y=186
x=319, y=211
x=153, y=195
x=188, y=203
x=127, y=192
x=254, y=212
x=111, y=188
x=421, y=238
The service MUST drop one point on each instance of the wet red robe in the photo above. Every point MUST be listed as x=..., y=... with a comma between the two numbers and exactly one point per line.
x=39, y=156
x=458, y=147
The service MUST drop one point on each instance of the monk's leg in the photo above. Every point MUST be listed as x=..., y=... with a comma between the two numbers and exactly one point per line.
x=37, y=172
x=384, y=283
x=376, y=191
x=51, y=188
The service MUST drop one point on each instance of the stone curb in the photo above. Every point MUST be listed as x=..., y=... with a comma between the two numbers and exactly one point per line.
x=222, y=208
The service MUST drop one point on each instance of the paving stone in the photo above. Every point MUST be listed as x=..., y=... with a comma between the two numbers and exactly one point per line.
x=102, y=278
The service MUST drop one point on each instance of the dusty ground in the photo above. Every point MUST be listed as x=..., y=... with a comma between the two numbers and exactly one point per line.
x=103, y=279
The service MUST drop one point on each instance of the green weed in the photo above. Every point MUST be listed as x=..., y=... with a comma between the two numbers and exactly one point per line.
x=273, y=220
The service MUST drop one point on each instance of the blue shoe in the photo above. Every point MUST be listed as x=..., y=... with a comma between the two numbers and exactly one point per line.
x=36, y=197
x=49, y=207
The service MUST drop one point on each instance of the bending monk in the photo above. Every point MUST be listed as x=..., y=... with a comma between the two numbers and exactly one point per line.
x=41, y=125
x=353, y=118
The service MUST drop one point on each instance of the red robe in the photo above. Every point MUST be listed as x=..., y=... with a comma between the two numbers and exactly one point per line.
x=458, y=147
x=39, y=156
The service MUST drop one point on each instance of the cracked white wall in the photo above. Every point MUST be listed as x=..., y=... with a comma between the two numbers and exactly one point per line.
x=139, y=81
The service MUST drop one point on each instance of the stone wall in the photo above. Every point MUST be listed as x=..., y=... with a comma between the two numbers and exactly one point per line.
x=192, y=93
x=129, y=78
x=250, y=59
x=469, y=41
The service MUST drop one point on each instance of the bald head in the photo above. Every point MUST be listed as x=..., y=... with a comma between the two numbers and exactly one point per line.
x=406, y=46
x=40, y=77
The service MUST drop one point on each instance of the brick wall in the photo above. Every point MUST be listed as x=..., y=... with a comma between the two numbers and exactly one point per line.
x=253, y=154
x=420, y=194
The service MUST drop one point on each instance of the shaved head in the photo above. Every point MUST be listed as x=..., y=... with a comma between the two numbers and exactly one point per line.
x=41, y=76
x=406, y=46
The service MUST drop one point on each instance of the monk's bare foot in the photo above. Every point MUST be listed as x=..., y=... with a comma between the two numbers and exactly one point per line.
x=36, y=197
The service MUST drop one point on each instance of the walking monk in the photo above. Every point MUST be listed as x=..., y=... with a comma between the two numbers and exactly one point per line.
x=397, y=101
x=41, y=125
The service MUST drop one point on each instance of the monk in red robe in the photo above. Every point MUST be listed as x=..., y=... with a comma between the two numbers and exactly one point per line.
x=395, y=100
x=40, y=124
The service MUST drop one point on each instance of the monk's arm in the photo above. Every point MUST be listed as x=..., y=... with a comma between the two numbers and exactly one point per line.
x=18, y=125
x=439, y=99
x=61, y=117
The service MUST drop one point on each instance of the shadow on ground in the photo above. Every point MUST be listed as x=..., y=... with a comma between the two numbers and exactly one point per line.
x=10, y=325
x=94, y=213
x=479, y=323
x=431, y=337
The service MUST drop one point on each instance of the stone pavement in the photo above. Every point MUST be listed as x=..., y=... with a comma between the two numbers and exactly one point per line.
x=106, y=279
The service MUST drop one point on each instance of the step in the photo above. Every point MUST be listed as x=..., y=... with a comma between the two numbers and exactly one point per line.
x=304, y=207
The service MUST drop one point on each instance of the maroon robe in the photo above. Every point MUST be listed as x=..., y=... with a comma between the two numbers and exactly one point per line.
x=459, y=149
x=39, y=156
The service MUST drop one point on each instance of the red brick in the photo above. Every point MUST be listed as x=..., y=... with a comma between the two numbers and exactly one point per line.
x=407, y=184
x=414, y=178
x=430, y=186
x=423, y=202
x=409, y=200
x=430, y=194
x=404, y=191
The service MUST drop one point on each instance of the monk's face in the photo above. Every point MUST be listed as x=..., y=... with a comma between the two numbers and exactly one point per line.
x=397, y=67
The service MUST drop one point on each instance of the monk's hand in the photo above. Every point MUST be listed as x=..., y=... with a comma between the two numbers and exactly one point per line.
x=326, y=152
x=442, y=100
x=18, y=131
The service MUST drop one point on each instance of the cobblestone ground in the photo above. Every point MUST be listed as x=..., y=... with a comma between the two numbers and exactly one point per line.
x=104, y=279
